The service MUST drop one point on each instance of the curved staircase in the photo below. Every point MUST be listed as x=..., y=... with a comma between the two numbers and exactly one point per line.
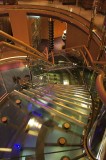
x=64, y=111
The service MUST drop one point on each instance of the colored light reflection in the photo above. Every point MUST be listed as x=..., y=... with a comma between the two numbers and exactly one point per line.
x=36, y=113
x=17, y=147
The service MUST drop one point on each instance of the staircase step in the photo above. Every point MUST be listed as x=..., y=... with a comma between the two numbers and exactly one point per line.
x=74, y=109
x=53, y=102
x=81, y=92
x=51, y=110
x=63, y=96
x=73, y=87
x=83, y=106
x=66, y=91
x=74, y=95
x=58, y=105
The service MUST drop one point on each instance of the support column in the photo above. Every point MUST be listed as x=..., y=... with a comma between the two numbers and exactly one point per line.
x=19, y=25
x=51, y=34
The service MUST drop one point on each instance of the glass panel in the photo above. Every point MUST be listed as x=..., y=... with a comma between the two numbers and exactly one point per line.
x=97, y=135
x=2, y=87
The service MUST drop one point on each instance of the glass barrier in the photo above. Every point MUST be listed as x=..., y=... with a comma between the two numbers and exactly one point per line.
x=97, y=135
x=56, y=97
x=46, y=100
x=37, y=131
x=3, y=90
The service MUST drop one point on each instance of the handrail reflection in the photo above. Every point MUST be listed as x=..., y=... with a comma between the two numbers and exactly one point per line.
x=100, y=87
x=96, y=138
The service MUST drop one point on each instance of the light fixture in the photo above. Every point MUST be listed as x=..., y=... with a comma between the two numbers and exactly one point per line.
x=5, y=149
x=34, y=123
x=94, y=30
x=33, y=16
x=41, y=77
x=71, y=9
x=31, y=122
x=33, y=133
x=4, y=119
x=66, y=82
x=17, y=147
x=84, y=105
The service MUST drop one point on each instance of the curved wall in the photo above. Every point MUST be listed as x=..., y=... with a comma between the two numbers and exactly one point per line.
x=77, y=27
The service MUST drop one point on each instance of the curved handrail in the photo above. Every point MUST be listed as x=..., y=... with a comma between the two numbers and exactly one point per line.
x=100, y=87
x=102, y=93
x=89, y=153
x=24, y=51
x=22, y=43
x=53, y=9
x=9, y=59
x=4, y=97
x=99, y=62
x=79, y=51
x=65, y=15
x=88, y=54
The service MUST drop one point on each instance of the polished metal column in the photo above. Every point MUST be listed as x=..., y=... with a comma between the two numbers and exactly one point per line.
x=51, y=34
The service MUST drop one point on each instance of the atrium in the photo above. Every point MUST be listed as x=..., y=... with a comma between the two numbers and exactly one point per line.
x=53, y=80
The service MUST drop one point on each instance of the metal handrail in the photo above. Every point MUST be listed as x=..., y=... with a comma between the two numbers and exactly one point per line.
x=102, y=93
x=5, y=35
x=91, y=61
x=24, y=51
x=100, y=87
x=88, y=54
x=99, y=62
x=4, y=97
x=10, y=59
x=86, y=134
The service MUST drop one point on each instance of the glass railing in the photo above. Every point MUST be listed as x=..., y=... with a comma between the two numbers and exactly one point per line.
x=97, y=135
x=53, y=98
x=77, y=8
x=3, y=90
x=96, y=146
x=19, y=46
x=44, y=105
x=74, y=13
x=89, y=75
x=32, y=104
x=44, y=134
